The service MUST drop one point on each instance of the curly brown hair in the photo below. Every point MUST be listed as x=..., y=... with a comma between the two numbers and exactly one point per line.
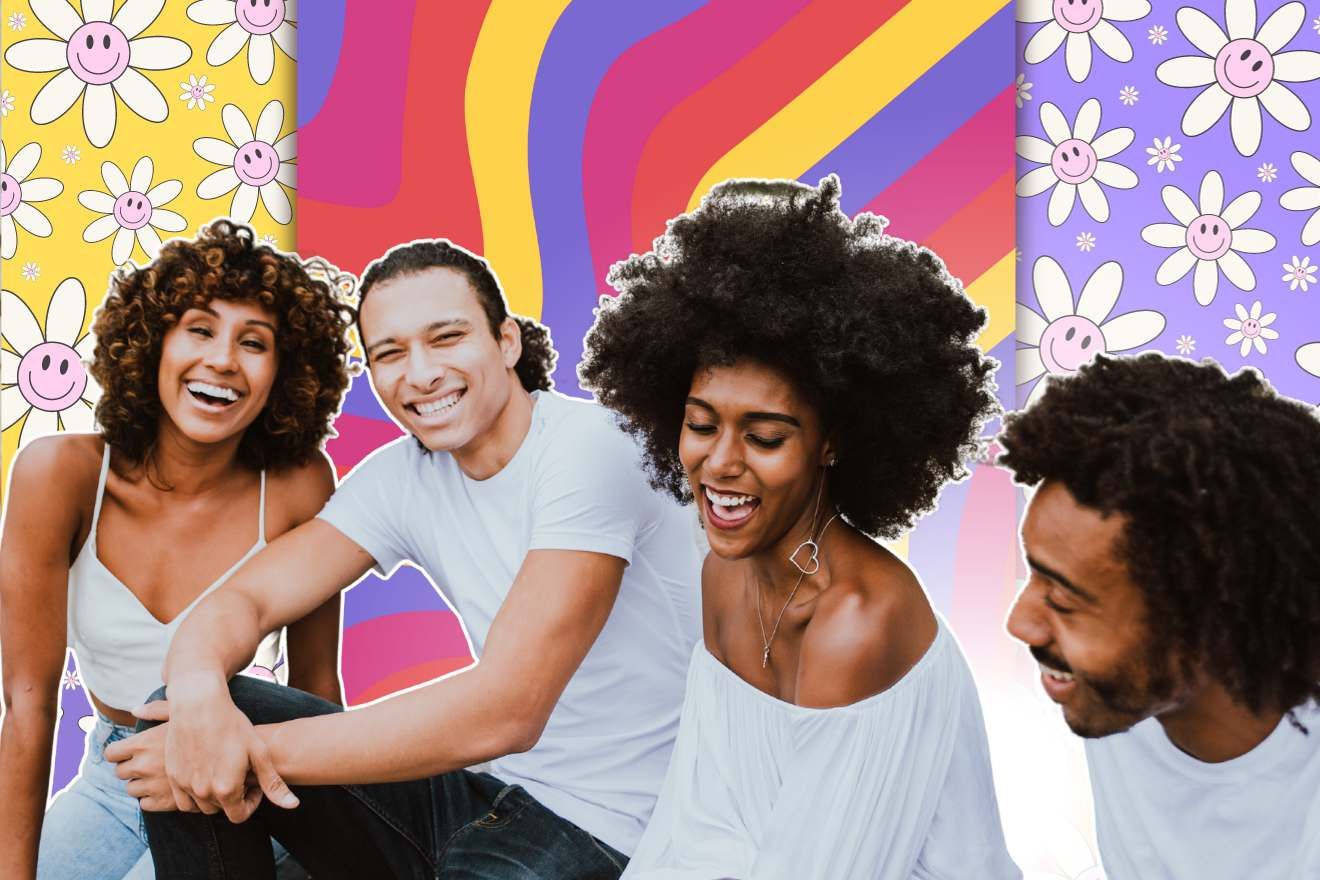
x=224, y=262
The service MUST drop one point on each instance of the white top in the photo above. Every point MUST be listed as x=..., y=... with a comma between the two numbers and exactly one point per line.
x=894, y=786
x=1161, y=814
x=575, y=483
x=119, y=645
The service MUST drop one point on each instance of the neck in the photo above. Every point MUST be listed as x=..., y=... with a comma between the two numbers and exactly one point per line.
x=189, y=467
x=488, y=453
x=1211, y=727
x=772, y=568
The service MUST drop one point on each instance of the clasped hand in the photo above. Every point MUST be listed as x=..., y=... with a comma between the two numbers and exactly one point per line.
x=208, y=761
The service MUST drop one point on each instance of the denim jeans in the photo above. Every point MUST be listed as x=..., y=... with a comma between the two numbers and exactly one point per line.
x=457, y=825
x=94, y=828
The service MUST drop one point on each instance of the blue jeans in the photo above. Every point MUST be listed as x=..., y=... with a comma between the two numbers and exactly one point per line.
x=456, y=825
x=94, y=828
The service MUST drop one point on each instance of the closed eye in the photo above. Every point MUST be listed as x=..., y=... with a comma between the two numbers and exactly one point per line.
x=696, y=428
x=767, y=442
x=200, y=331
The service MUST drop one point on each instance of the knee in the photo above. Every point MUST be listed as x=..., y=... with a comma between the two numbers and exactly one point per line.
x=265, y=702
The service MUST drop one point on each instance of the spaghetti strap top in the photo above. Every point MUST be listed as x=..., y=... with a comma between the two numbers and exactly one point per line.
x=120, y=646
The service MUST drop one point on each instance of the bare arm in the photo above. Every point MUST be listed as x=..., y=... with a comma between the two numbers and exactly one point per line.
x=554, y=611
x=43, y=519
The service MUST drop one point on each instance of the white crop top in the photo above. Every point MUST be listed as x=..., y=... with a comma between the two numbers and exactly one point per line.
x=120, y=646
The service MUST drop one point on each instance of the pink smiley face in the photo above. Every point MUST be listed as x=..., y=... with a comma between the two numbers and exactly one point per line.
x=1244, y=68
x=1070, y=342
x=98, y=53
x=132, y=210
x=1074, y=161
x=1251, y=328
x=260, y=16
x=50, y=376
x=11, y=193
x=1208, y=237
x=256, y=163
x=1078, y=16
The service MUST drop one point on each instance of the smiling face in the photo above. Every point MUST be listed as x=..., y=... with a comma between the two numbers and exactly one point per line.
x=97, y=53
x=1208, y=237
x=217, y=367
x=1244, y=68
x=260, y=16
x=132, y=210
x=1070, y=342
x=11, y=193
x=256, y=163
x=435, y=365
x=1084, y=620
x=1078, y=16
x=1073, y=161
x=754, y=453
x=50, y=376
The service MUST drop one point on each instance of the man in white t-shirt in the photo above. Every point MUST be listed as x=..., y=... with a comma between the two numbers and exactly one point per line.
x=577, y=584
x=1174, y=608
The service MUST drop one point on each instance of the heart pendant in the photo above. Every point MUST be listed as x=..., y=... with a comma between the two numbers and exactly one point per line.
x=813, y=562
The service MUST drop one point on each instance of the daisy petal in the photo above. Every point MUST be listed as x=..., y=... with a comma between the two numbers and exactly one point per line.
x=1028, y=365
x=168, y=220
x=58, y=16
x=1205, y=110
x=56, y=97
x=244, y=204
x=141, y=179
x=12, y=406
x=1126, y=10
x=1053, y=291
x=97, y=10
x=1246, y=346
x=21, y=329
x=8, y=367
x=287, y=39
x=122, y=248
x=114, y=179
x=1110, y=40
x=41, y=189
x=1115, y=175
x=1179, y=204
x=212, y=11
x=142, y=96
x=228, y=43
x=1034, y=11
x=1132, y=329
x=1033, y=149
x=1093, y=200
x=66, y=312
x=276, y=202
x=86, y=348
x=150, y=241
x=1088, y=120
x=1308, y=358
x=216, y=184
x=1112, y=142
x=24, y=161
x=32, y=220
x=1241, y=312
x=269, y=122
x=1245, y=124
x=1241, y=209
x=1297, y=66
x=1175, y=266
x=1212, y=193
x=215, y=150
x=1101, y=292
x=158, y=53
x=1055, y=124
x=1164, y=235
x=8, y=237
x=78, y=418
x=1311, y=231
x=1030, y=326
x=101, y=228
x=39, y=424
x=1201, y=30
x=1036, y=181
x=1061, y=203
x=1279, y=29
x=288, y=175
x=1252, y=241
x=1240, y=16
x=136, y=16
x=1280, y=102
x=1206, y=281
x=1078, y=56
x=38, y=56
x=1044, y=43
x=164, y=192
x=287, y=147
x=261, y=58
x=1186, y=71
x=236, y=125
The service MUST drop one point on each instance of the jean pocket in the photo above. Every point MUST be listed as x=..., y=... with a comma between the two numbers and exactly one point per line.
x=511, y=801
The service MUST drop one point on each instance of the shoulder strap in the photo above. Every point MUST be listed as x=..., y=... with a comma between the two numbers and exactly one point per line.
x=100, y=493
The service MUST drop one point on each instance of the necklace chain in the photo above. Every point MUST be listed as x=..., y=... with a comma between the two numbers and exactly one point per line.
x=767, y=641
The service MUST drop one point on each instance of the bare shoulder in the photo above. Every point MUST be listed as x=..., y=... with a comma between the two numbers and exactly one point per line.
x=61, y=468
x=716, y=586
x=298, y=493
x=868, y=630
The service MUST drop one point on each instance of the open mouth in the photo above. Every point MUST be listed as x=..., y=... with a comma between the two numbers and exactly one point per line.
x=728, y=510
x=213, y=396
x=438, y=408
x=1057, y=683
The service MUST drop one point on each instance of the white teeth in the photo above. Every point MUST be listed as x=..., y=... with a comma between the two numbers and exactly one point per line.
x=727, y=500
x=213, y=390
x=431, y=407
x=1055, y=674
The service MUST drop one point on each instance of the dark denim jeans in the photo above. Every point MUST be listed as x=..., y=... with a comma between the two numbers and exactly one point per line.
x=456, y=825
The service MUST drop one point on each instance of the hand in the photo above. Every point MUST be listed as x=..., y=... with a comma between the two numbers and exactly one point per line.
x=140, y=759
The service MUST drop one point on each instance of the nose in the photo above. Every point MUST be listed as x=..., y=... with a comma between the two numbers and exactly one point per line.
x=725, y=458
x=424, y=369
x=221, y=355
x=1026, y=620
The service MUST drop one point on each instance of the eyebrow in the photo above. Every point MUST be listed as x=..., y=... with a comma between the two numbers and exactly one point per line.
x=751, y=416
x=1061, y=580
x=250, y=321
x=461, y=323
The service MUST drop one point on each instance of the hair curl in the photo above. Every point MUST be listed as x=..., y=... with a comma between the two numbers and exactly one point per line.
x=871, y=329
x=225, y=263
x=536, y=364
x=1218, y=479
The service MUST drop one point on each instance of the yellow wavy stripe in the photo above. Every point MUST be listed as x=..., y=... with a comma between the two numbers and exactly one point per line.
x=497, y=109
x=851, y=92
x=994, y=289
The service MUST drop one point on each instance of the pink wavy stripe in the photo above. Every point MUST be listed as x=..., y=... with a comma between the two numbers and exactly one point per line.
x=384, y=646
x=358, y=436
x=984, y=570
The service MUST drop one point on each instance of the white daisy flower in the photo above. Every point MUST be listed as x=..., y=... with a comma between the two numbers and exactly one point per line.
x=1208, y=236
x=197, y=92
x=1080, y=22
x=1085, y=242
x=1250, y=328
x=1305, y=198
x=1061, y=338
x=1129, y=95
x=1076, y=162
x=1267, y=172
x=1163, y=155
x=1308, y=356
x=30, y=271
x=1185, y=344
x=1022, y=89
x=260, y=25
x=1157, y=35
x=1244, y=68
x=46, y=380
x=98, y=57
x=267, y=239
x=17, y=21
x=17, y=193
x=70, y=679
x=1299, y=274
x=71, y=155
x=1315, y=25
x=6, y=103
x=132, y=210
x=255, y=162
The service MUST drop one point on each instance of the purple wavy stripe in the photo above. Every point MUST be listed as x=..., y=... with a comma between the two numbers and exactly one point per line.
x=319, y=38
x=407, y=590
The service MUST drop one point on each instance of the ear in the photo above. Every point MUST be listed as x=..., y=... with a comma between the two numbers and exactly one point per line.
x=828, y=457
x=510, y=342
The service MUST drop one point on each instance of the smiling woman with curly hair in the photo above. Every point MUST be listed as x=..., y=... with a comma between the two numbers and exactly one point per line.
x=811, y=383
x=222, y=364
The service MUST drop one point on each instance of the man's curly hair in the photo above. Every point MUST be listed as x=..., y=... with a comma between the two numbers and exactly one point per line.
x=871, y=330
x=1218, y=478
x=535, y=366
x=223, y=262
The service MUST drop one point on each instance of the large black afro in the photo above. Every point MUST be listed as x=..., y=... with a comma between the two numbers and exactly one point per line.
x=871, y=329
x=1218, y=478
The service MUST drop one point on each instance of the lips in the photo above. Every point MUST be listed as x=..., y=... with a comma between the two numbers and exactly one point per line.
x=437, y=407
x=728, y=510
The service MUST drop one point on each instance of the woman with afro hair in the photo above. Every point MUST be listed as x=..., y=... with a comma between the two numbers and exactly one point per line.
x=222, y=365
x=811, y=383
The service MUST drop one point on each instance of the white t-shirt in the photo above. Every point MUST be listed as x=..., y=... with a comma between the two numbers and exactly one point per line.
x=575, y=483
x=1163, y=815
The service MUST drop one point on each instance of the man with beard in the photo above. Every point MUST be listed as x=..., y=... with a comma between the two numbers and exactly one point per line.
x=1174, y=607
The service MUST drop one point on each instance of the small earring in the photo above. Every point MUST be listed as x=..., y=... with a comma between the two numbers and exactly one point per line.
x=832, y=462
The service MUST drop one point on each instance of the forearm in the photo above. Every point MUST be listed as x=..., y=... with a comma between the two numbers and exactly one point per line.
x=215, y=641
x=25, y=753
x=323, y=683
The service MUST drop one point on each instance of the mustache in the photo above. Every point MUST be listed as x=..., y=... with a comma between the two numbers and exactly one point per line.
x=1047, y=659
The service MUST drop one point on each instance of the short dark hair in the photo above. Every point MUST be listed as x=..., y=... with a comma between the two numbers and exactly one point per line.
x=537, y=363
x=871, y=330
x=1218, y=478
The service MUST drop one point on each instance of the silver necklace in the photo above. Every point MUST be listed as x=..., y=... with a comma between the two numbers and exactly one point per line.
x=767, y=641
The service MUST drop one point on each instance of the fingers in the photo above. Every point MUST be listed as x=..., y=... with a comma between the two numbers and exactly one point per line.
x=184, y=803
x=156, y=711
x=276, y=790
